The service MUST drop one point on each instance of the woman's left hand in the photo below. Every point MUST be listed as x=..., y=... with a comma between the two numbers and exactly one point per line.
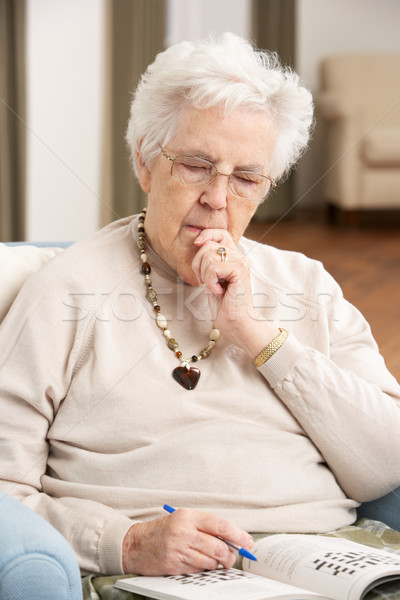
x=230, y=294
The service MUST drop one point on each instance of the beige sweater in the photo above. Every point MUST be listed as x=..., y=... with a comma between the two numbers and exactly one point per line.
x=95, y=433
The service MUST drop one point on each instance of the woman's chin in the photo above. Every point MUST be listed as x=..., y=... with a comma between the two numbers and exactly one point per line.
x=187, y=275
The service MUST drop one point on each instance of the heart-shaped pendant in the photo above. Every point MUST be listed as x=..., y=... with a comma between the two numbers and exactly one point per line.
x=187, y=378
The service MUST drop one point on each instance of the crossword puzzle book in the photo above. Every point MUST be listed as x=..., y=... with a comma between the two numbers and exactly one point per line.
x=289, y=567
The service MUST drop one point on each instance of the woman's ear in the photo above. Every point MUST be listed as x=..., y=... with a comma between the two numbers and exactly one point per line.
x=144, y=174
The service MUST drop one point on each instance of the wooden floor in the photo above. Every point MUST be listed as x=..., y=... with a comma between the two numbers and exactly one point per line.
x=365, y=262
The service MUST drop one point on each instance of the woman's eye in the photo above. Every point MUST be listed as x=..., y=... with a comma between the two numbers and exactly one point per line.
x=246, y=178
x=195, y=164
x=195, y=167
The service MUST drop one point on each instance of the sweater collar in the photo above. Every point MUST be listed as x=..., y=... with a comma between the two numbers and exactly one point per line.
x=155, y=260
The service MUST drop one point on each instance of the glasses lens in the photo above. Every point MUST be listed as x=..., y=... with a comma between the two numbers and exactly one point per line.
x=249, y=185
x=192, y=171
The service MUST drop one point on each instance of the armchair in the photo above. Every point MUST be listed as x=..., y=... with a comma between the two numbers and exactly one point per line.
x=359, y=105
x=35, y=560
x=19, y=261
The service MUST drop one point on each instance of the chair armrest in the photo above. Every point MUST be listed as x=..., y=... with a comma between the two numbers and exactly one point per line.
x=36, y=562
x=333, y=105
x=41, y=244
x=385, y=509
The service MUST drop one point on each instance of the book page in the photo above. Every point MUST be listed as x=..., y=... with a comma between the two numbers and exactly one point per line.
x=220, y=584
x=338, y=568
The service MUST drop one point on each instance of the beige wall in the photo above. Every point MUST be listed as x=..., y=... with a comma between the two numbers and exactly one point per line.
x=194, y=19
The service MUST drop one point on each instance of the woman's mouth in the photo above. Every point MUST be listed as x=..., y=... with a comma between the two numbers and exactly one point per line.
x=194, y=229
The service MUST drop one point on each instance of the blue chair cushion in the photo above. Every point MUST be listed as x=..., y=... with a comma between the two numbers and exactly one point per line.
x=36, y=562
x=385, y=509
x=41, y=244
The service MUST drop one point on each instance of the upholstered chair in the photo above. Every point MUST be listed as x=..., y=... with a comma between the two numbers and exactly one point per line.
x=359, y=108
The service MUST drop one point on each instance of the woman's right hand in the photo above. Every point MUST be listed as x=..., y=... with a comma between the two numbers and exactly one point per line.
x=180, y=543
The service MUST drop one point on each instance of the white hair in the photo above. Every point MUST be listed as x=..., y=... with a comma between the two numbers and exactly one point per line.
x=224, y=71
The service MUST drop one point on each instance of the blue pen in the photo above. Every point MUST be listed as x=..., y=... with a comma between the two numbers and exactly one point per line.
x=239, y=550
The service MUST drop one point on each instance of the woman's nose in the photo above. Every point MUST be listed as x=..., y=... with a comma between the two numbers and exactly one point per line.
x=215, y=194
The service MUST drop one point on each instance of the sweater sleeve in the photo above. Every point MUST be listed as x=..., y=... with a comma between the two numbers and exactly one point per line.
x=39, y=350
x=345, y=399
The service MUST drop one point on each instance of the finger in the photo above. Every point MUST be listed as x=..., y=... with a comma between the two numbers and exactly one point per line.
x=189, y=548
x=218, y=551
x=198, y=531
x=218, y=276
x=220, y=236
x=189, y=560
x=215, y=526
x=206, y=555
x=207, y=255
x=193, y=560
x=205, y=252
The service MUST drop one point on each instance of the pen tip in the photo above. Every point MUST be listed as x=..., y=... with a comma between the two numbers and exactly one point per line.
x=247, y=554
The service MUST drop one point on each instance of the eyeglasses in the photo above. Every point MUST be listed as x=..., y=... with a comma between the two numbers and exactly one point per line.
x=191, y=170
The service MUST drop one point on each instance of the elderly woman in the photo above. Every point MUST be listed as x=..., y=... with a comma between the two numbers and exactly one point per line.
x=167, y=359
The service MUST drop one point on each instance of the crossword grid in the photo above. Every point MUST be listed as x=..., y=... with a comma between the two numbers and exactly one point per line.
x=208, y=577
x=348, y=564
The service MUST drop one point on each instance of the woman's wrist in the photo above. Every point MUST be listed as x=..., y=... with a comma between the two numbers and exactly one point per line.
x=271, y=348
x=255, y=336
x=130, y=547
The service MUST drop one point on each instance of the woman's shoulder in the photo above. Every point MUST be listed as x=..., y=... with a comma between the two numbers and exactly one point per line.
x=108, y=245
x=91, y=266
x=105, y=255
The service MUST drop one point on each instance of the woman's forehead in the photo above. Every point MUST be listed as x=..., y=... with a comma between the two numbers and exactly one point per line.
x=214, y=135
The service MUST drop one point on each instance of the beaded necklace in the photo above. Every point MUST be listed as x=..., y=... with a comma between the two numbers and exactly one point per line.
x=185, y=375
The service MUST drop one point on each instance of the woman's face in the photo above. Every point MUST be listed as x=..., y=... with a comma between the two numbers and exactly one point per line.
x=176, y=212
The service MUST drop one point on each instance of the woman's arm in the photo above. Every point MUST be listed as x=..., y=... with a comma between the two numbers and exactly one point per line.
x=345, y=400
x=39, y=350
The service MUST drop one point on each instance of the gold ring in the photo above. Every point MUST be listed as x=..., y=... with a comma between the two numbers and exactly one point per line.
x=222, y=252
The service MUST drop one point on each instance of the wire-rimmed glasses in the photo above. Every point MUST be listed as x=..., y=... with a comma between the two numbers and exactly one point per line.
x=196, y=171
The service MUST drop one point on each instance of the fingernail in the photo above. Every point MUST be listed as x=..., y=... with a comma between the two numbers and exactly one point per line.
x=251, y=540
